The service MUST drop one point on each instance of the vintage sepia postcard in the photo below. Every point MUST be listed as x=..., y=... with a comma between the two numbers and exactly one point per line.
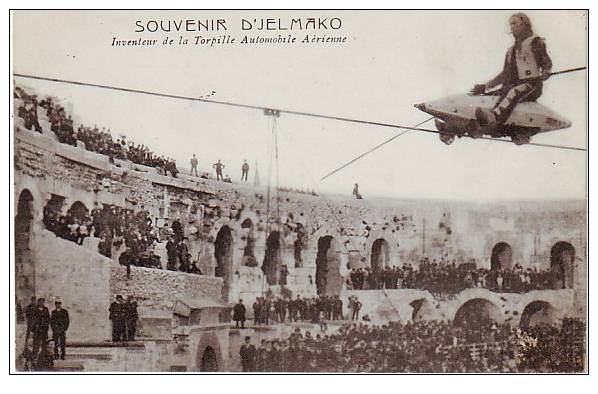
x=299, y=191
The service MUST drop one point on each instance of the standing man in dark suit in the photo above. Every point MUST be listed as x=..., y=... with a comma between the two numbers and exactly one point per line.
x=29, y=316
x=117, y=315
x=239, y=314
x=219, y=167
x=41, y=325
x=244, y=170
x=131, y=318
x=59, y=321
x=248, y=353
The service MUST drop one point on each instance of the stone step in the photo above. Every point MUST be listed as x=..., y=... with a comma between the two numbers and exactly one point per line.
x=104, y=344
x=69, y=366
x=89, y=356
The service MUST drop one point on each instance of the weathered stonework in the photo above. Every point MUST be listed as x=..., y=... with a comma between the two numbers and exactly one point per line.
x=160, y=289
x=356, y=232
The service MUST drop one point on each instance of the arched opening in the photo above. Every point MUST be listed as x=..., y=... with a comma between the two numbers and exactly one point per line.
x=272, y=264
x=328, y=277
x=299, y=244
x=53, y=212
x=562, y=264
x=78, y=211
x=477, y=311
x=209, y=362
x=502, y=257
x=24, y=269
x=249, y=249
x=538, y=312
x=380, y=255
x=24, y=211
x=223, y=253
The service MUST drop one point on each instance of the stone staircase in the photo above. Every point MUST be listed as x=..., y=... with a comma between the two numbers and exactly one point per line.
x=102, y=357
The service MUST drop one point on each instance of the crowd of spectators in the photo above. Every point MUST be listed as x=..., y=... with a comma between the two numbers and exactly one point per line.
x=554, y=349
x=268, y=310
x=71, y=226
x=95, y=140
x=115, y=227
x=449, y=278
x=177, y=250
x=27, y=110
x=394, y=347
x=421, y=347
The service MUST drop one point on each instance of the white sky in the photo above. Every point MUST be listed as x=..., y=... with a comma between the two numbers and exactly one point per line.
x=392, y=60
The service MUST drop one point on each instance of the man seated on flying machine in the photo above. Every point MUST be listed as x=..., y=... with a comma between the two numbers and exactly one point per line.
x=527, y=64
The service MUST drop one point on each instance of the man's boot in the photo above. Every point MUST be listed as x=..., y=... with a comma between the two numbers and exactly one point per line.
x=485, y=116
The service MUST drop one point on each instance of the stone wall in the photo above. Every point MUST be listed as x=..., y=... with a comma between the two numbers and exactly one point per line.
x=384, y=305
x=159, y=289
x=80, y=278
x=411, y=229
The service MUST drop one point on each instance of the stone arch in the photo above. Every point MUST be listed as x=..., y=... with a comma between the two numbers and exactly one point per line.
x=209, y=353
x=562, y=264
x=33, y=187
x=248, y=214
x=77, y=210
x=502, y=256
x=380, y=255
x=209, y=361
x=223, y=253
x=247, y=223
x=52, y=211
x=299, y=244
x=24, y=263
x=326, y=230
x=250, y=236
x=538, y=312
x=476, y=310
x=25, y=210
x=272, y=258
x=328, y=278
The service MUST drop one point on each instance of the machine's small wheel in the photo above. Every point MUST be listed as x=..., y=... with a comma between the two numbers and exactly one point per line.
x=440, y=125
x=520, y=139
x=447, y=138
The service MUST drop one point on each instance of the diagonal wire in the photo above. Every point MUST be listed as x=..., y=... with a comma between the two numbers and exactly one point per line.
x=338, y=220
x=373, y=149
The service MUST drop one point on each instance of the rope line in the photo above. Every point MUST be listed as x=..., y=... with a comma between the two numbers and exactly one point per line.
x=372, y=149
x=338, y=220
x=287, y=111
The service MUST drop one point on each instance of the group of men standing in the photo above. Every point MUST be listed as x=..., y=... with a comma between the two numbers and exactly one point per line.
x=123, y=315
x=385, y=278
x=39, y=321
x=279, y=310
x=219, y=166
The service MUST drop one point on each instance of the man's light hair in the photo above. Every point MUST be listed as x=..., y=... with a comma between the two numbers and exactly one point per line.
x=523, y=18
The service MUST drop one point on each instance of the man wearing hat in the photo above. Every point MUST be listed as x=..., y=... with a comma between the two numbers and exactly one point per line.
x=59, y=321
x=118, y=317
x=41, y=323
x=244, y=170
x=248, y=353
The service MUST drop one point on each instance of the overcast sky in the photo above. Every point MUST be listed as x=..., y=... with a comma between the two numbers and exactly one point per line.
x=391, y=60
